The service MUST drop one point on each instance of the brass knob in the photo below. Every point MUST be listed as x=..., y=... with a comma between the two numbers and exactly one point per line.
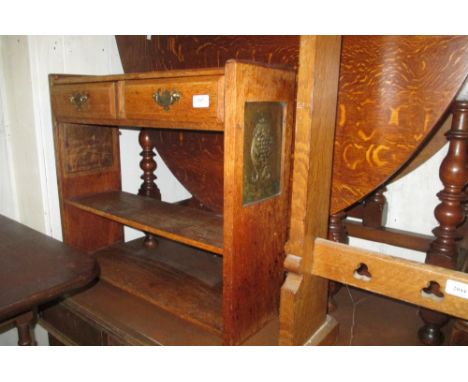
x=78, y=99
x=166, y=98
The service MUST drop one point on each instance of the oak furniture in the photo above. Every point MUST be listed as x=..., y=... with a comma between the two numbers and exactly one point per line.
x=204, y=275
x=34, y=270
x=391, y=89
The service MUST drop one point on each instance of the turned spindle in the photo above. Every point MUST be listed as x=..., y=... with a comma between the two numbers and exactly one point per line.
x=336, y=232
x=450, y=214
x=373, y=209
x=148, y=187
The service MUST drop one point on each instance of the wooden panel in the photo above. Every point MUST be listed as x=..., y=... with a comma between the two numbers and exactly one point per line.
x=170, y=277
x=196, y=158
x=136, y=101
x=393, y=91
x=86, y=149
x=304, y=297
x=184, y=52
x=389, y=276
x=82, y=169
x=190, y=226
x=254, y=235
x=76, y=329
x=100, y=100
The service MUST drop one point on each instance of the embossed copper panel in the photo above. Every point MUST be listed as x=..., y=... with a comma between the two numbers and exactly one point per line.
x=88, y=148
x=263, y=136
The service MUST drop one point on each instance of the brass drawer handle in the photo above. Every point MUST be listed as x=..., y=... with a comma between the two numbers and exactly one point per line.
x=166, y=98
x=78, y=99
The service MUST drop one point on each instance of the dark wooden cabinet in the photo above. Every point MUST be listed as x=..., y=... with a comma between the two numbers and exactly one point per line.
x=206, y=275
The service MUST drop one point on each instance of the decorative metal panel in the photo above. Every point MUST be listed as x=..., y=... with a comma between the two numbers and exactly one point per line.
x=263, y=143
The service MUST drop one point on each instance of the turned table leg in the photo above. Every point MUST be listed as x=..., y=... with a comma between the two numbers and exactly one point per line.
x=450, y=214
x=24, y=324
x=148, y=187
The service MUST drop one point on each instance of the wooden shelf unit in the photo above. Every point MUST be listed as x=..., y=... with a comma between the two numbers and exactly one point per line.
x=252, y=106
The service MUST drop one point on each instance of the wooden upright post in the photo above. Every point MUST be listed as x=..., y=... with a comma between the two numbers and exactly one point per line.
x=450, y=214
x=303, y=317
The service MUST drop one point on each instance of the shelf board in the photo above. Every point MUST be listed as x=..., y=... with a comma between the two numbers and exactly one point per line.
x=174, y=277
x=200, y=229
x=134, y=320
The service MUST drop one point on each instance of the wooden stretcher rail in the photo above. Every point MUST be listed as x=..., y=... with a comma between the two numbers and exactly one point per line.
x=425, y=285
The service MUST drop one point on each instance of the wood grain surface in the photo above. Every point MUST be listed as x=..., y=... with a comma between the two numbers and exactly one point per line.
x=202, y=156
x=255, y=233
x=176, y=278
x=393, y=91
x=35, y=269
x=390, y=276
x=136, y=101
x=196, y=158
x=82, y=230
x=303, y=296
x=191, y=226
x=100, y=100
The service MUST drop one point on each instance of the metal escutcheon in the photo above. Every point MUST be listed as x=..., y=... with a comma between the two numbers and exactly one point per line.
x=78, y=99
x=166, y=98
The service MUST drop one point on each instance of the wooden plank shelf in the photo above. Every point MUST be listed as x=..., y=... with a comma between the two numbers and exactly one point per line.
x=200, y=229
x=174, y=277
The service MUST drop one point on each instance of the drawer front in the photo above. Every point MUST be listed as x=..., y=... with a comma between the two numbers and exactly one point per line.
x=84, y=101
x=189, y=103
x=72, y=326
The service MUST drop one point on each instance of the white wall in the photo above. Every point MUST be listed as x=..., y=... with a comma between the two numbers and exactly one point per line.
x=28, y=190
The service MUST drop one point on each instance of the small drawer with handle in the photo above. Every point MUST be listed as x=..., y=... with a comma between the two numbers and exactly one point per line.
x=84, y=101
x=185, y=103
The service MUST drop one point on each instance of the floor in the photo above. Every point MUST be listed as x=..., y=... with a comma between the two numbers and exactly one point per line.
x=369, y=319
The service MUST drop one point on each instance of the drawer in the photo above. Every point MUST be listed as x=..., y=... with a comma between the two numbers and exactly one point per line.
x=186, y=102
x=66, y=323
x=84, y=101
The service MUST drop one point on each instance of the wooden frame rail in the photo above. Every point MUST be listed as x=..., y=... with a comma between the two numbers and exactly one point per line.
x=428, y=286
x=391, y=236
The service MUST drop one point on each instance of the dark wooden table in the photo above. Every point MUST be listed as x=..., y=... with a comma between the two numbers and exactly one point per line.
x=35, y=269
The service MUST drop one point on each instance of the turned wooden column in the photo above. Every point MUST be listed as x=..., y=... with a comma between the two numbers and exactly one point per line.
x=336, y=232
x=148, y=187
x=450, y=214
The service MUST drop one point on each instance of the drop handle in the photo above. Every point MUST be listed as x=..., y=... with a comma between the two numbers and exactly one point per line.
x=166, y=98
x=79, y=99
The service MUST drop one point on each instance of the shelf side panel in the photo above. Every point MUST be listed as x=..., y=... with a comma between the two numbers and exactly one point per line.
x=88, y=162
x=259, y=102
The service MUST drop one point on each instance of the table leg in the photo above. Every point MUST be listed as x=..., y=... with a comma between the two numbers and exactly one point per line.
x=23, y=324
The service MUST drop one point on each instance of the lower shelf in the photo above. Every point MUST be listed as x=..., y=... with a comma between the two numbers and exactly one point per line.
x=105, y=315
x=182, y=280
x=170, y=295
